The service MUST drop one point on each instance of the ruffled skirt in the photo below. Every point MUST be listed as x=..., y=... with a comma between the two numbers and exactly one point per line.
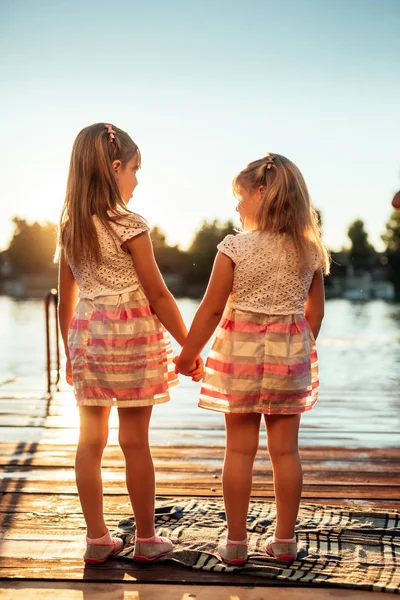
x=261, y=363
x=121, y=354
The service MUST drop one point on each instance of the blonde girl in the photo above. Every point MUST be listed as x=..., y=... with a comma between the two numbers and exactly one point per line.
x=263, y=359
x=114, y=311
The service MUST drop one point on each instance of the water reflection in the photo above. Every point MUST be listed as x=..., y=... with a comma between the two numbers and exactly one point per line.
x=359, y=352
x=360, y=346
x=359, y=343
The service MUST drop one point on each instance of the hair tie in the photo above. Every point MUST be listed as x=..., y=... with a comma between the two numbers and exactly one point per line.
x=111, y=132
x=270, y=161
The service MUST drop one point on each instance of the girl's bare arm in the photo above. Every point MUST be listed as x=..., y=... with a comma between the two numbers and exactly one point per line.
x=210, y=310
x=67, y=298
x=314, y=308
x=160, y=298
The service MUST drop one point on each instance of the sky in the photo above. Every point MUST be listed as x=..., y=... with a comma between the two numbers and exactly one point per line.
x=204, y=87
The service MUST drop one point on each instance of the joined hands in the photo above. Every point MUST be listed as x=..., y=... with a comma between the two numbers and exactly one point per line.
x=195, y=370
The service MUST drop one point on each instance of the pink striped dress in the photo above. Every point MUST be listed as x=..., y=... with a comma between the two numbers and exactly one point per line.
x=121, y=354
x=263, y=358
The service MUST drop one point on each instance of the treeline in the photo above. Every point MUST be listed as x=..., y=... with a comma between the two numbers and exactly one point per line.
x=32, y=247
x=363, y=255
x=194, y=264
x=31, y=251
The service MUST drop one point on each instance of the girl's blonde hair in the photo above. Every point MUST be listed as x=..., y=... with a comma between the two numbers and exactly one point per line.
x=92, y=189
x=285, y=206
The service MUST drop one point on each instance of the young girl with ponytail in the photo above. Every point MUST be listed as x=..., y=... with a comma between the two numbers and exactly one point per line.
x=115, y=311
x=266, y=296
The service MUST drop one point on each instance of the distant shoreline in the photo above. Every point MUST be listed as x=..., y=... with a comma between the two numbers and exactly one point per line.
x=351, y=286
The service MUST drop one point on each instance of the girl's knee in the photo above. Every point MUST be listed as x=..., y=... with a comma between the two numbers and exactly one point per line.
x=281, y=450
x=243, y=433
x=245, y=447
x=132, y=443
x=282, y=435
x=133, y=434
x=93, y=433
x=93, y=442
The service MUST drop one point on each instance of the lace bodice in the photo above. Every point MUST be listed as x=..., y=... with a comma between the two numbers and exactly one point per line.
x=115, y=273
x=267, y=277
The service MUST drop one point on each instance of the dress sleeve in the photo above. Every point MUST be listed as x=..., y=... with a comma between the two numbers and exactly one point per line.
x=316, y=261
x=229, y=246
x=128, y=227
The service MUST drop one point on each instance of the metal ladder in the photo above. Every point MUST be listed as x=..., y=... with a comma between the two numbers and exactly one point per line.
x=51, y=300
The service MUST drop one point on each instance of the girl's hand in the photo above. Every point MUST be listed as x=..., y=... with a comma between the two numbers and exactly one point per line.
x=194, y=370
x=68, y=372
x=198, y=373
x=182, y=366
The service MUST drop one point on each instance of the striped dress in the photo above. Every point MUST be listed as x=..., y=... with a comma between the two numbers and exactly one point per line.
x=263, y=358
x=121, y=354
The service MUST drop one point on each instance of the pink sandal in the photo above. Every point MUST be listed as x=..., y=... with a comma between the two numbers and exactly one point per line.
x=152, y=549
x=285, y=551
x=96, y=554
x=233, y=554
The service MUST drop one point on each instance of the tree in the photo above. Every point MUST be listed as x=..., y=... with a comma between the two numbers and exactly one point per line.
x=32, y=246
x=170, y=259
x=158, y=238
x=204, y=248
x=391, y=238
x=360, y=246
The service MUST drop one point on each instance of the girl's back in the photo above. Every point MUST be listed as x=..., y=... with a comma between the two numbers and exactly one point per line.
x=114, y=272
x=268, y=277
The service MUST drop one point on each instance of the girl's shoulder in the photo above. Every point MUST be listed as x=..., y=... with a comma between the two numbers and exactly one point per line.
x=315, y=258
x=128, y=225
x=128, y=218
x=235, y=245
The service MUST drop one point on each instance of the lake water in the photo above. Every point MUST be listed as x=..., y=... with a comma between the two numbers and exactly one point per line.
x=359, y=354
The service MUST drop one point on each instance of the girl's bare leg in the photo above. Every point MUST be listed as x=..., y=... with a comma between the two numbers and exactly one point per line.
x=92, y=441
x=140, y=481
x=282, y=431
x=242, y=436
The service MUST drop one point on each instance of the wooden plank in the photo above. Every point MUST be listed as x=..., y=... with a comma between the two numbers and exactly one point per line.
x=85, y=590
x=114, y=571
x=194, y=450
x=179, y=436
x=67, y=507
x=336, y=465
x=38, y=419
x=51, y=462
x=35, y=415
x=200, y=486
x=172, y=463
x=38, y=481
x=316, y=493
x=203, y=432
x=48, y=521
x=331, y=471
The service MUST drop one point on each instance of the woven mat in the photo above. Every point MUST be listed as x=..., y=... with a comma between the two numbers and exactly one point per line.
x=338, y=546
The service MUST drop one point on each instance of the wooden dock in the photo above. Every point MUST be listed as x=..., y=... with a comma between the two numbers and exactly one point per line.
x=42, y=529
